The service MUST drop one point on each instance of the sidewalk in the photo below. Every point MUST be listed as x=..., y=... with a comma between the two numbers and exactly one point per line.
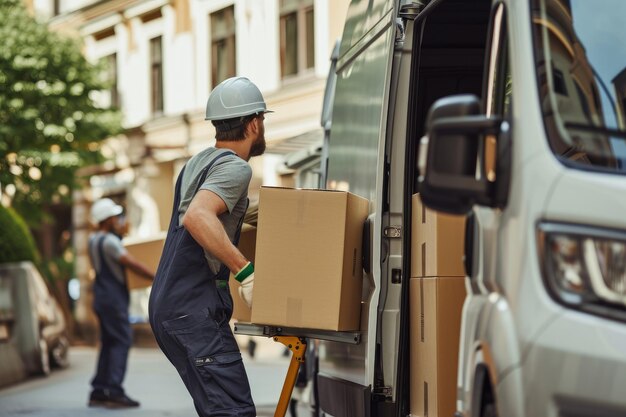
x=151, y=379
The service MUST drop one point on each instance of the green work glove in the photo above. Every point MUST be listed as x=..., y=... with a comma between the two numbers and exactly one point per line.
x=246, y=278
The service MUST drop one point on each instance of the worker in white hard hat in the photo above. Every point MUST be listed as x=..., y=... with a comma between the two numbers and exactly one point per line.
x=110, y=260
x=190, y=303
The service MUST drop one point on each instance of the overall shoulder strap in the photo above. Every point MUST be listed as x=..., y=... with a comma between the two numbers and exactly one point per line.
x=203, y=174
x=201, y=178
x=177, y=188
x=95, y=247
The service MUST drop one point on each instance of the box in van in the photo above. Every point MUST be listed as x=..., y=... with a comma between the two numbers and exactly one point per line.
x=308, y=271
x=436, y=305
x=437, y=242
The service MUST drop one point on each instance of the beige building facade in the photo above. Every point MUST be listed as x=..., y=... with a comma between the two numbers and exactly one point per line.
x=164, y=57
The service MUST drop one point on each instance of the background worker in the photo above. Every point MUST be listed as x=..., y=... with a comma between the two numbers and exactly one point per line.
x=190, y=303
x=110, y=259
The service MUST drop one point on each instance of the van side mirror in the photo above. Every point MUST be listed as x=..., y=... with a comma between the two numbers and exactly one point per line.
x=457, y=166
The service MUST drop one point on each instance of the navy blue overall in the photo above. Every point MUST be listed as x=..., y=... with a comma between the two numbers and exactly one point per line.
x=190, y=308
x=111, y=306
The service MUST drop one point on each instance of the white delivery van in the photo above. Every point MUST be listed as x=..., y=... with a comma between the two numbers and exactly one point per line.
x=539, y=162
x=521, y=106
x=395, y=59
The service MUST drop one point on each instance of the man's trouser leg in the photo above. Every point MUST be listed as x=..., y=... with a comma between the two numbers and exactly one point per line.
x=208, y=360
x=99, y=381
x=116, y=341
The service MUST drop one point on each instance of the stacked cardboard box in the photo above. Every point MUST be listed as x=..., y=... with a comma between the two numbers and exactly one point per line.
x=437, y=242
x=437, y=293
x=308, y=271
x=147, y=251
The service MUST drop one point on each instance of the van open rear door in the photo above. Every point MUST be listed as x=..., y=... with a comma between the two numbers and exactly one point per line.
x=349, y=373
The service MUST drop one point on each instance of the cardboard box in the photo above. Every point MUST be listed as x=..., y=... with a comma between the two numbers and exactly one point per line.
x=437, y=242
x=148, y=252
x=308, y=271
x=247, y=244
x=436, y=305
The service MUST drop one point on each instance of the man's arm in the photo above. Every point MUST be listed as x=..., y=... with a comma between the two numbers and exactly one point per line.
x=134, y=265
x=202, y=222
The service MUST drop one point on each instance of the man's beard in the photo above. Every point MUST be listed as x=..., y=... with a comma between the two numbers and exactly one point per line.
x=258, y=147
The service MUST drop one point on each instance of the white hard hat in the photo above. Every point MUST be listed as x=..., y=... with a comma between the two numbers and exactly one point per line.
x=105, y=208
x=234, y=97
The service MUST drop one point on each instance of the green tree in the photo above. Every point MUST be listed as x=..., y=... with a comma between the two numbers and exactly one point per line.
x=50, y=125
x=16, y=241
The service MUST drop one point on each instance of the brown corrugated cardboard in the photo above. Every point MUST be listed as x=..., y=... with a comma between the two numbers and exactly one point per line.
x=247, y=244
x=437, y=242
x=146, y=251
x=436, y=305
x=308, y=269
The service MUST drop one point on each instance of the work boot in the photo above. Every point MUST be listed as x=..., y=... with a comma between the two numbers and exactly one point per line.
x=101, y=398
x=97, y=398
x=121, y=401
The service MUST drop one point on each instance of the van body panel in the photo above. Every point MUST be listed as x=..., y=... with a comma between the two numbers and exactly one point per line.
x=489, y=338
x=359, y=114
x=581, y=363
x=564, y=360
x=566, y=204
x=356, y=163
x=361, y=18
x=510, y=387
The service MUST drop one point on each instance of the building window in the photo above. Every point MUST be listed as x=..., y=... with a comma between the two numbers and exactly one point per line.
x=223, y=63
x=297, y=36
x=112, y=79
x=156, y=74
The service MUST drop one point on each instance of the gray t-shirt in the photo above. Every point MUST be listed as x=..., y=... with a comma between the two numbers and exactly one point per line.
x=229, y=178
x=112, y=249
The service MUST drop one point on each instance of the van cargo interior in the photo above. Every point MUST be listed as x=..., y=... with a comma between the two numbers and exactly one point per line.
x=448, y=58
x=451, y=57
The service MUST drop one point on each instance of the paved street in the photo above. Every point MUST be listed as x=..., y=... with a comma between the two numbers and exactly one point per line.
x=150, y=379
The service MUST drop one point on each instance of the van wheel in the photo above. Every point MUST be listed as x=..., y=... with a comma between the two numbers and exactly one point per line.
x=44, y=358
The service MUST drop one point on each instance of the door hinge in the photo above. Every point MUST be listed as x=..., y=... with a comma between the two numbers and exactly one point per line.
x=393, y=232
x=383, y=391
x=410, y=9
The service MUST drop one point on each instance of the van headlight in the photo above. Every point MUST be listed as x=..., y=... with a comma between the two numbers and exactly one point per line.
x=585, y=267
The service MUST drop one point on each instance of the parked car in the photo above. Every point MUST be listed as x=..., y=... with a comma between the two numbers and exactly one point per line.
x=31, y=319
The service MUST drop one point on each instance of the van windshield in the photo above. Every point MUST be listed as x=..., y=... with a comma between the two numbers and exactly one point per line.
x=580, y=53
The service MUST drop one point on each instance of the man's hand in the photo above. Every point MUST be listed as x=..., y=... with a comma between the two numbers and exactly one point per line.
x=245, y=276
x=245, y=291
